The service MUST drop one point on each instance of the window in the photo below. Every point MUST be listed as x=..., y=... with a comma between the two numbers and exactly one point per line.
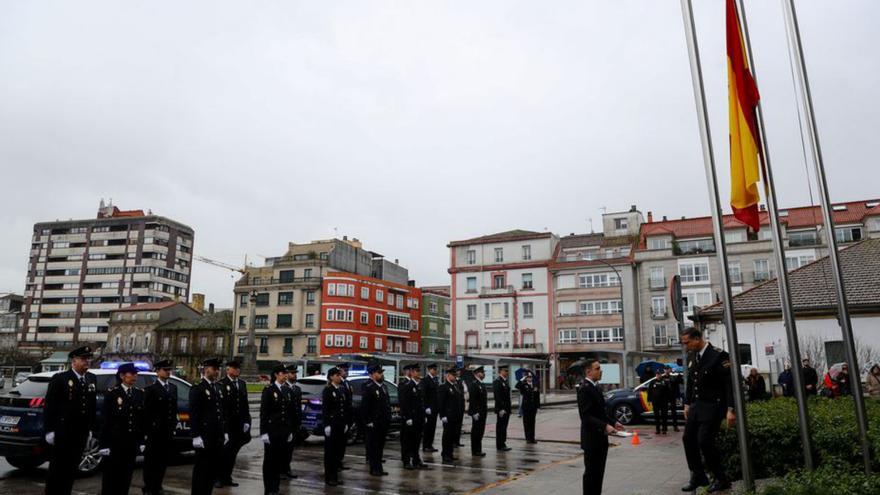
x=565, y=282
x=600, y=307
x=283, y=321
x=310, y=298
x=242, y=341
x=594, y=335
x=497, y=281
x=658, y=278
x=567, y=308
x=307, y=273
x=568, y=336
x=735, y=236
x=377, y=343
x=527, y=280
x=471, y=257
x=147, y=338
x=762, y=270
x=286, y=276
x=496, y=310
x=242, y=322
x=803, y=238
x=798, y=260
x=218, y=344
x=288, y=346
x=339, y=340
x=471, y=285
x=694, y=272
x=203, y=343
x=365, y=318
x=117, y=343
x=183, y=341
x=658, y=307
x=471, y=311
x=848, y=234
x=242, y=300
x=526, y=252
x=285, y=298
x=620, y=224
x=328, y=340
x=262, y=299
x=166, y=344
x=378, y=320
x=310, y=320
x=588, y=280
x=696, y=246
x=312, y=345
x=691, y=299
x=362, y=342
x=340, y=315
x=264, y=345
x=331, y=289
x=658, y=243
x=660, y=337
x=365, y=292
x=499, y=255
x=745, y=354
x=432, y=307
x=734, y=269
x=380, y=295
x=528, y=310
x=261, y=321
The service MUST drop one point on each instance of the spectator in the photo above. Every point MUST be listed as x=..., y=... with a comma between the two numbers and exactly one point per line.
x=811, y=378
x=786, y=381
x=874, y=382
x=843, y=381
x=755, y=386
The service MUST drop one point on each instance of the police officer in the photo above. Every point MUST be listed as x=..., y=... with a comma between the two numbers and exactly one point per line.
x=478, y=408
x=708, y=400
x=501, y=395
x=530, y=401
x=69, y=419
x=595, y=427
x=122, y=434
x=412, y=411
x=208, y=425
x=275, y=429
x=160, y=410
x=335, y=425
x=429, y=387
x=294, y=416
x=376, y=414
x=348, y=392
x=238, y=420
x=450, y=401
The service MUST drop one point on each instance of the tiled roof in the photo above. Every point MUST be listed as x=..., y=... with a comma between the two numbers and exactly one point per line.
x=590, y=240
x=150, y=306
x=442, y=290
x=220, y=320
x=813, y=287
x=510, y=235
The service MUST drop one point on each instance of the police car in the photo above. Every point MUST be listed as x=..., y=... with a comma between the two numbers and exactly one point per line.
x=21, y=418
x=630, y=405
x=312, y=389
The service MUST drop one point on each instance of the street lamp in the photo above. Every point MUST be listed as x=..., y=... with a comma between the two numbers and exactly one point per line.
x=249, y=362
x=622, y=314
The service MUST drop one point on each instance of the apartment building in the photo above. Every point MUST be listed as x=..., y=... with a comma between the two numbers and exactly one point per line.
x=361, y=314
x=80, y=270
x=501, y=294
x=435, y=321
x=686, y=247
x=189, y=341
x=10, y=320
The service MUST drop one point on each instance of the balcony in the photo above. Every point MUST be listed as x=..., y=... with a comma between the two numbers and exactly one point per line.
x=277, y=281
x=500, y=348
x=496, y=291
x=659, y=315
x=658, y=283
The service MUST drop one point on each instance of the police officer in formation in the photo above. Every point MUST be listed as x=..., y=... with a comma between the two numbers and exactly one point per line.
x=349, y=410
x=412, y=411
x=275, y=429
x=69, y=419
x=530, y=401
x=376, y=414
x=450, y=410
x=501, y=395
x=708, y=402
x=160, y=411
x=595, y=427
x=238, y=420
x=335, y=424
x=207, y=421
x=122, y=432
x=478, y=408
x=294, y=394
x=429, y=386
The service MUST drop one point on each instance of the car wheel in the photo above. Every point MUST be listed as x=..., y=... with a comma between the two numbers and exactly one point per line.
x=90, y=461
x=25, y=462
x=624, y=414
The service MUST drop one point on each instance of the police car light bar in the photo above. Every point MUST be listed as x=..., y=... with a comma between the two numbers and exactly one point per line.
x=112, y=365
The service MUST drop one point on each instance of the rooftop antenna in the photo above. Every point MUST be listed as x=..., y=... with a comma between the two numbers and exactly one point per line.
x=591, y=224
x=335, y=232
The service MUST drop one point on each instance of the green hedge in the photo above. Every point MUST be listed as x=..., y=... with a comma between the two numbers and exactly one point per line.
x=774, y=436
x=829, y=479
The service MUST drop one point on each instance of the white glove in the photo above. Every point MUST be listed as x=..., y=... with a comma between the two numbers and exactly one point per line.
x=50, y=438
x=327, y=431
x=409, y=422
x=290, y=438
x=142, y=448
x=104, y=452
x=225, y=438
x=265, y=438
x=502, y=413
x=89, y=437
x=428, y=411
x=346, y=429
x=477, y=417
x=444, y=420
x=246, y=427
x=198, y=443
x=369, y=425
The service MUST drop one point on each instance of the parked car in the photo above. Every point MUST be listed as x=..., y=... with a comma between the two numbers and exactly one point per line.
x=21, y=419
x=312, y=388
x=21, y=376
x=629, y=405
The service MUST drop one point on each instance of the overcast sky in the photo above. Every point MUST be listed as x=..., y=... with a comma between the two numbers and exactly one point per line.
x=405, y=124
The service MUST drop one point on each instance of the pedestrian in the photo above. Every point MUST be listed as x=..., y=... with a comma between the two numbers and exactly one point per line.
x=478, y=409
x=658, y=395
x=873, y=382
x=811, y=378
x=674, y=384
x=429, y=391
x=69, y=419
x=595, y=428
x=530, y=400
x=275, y=429
x=449, y=410
x=208, y=426
x=755, y=386
x=501, y=396
x=335, y=425
x=412, y=412
x=160, y=410
x=238, y=420
x=843, y=381
x=376, y=414
x=348, y=394
x=786, y=381
x=708, y=401
x=122, y=434
x=294, y=417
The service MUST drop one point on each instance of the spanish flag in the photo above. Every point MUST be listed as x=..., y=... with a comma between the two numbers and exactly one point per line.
x=744, y=137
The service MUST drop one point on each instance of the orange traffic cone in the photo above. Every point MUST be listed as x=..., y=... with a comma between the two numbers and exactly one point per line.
x=635, y=440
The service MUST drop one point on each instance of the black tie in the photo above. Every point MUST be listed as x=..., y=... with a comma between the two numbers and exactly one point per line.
x=82, y=381
x=128, y=392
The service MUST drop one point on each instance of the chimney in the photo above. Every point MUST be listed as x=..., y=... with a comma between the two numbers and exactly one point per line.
x=682, y=217
x=396, y=261
x=411, y=283
x=211, y=308
x=198, y=302
x=650, y=217
x=664, y=218
x=345, y=238
x=633, y=208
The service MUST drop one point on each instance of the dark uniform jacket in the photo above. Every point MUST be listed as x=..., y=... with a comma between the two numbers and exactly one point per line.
x=429, y=392
x=593, y=413
x=70, y=406
x=450, y=402
x=333, y=407
x=160, y=409
x=709, y=380
x=531, y=398
x=375, y=405
x=123, y=418
x=235, y=406
x=275, y=413
x=348, y=394
x=478, y=400
x=206, y=413
x=501, y=394
x=412, y=401
x=294, y=416
x=660, y=391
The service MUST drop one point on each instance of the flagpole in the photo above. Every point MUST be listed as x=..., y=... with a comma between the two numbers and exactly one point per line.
x=833, y=255
x=779, y=252
x=712, y=182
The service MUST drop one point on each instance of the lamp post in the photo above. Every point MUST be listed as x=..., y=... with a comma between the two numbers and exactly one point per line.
x=249, y=368
x=622, y=316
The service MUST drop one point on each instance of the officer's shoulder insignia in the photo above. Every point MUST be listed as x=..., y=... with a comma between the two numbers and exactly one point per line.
x=69, y=383
x=119, y=400
x=91, y=387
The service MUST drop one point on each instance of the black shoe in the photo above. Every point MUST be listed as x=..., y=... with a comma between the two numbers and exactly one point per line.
x=423, y=466
x=229, y=482
x=448, y=460
x=429, y=449
x=375, y=473
x=408, y=466
x=532, y=441
x=504, y=449
x=289, y=475
x=718, y=486
x=459, y=445
x=343, y=467
x=384, y=473
x=697, y=480
x=478, y=454
x=332, y=483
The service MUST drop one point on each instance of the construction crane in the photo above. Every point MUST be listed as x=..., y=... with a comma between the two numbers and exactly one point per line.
x=220, y=264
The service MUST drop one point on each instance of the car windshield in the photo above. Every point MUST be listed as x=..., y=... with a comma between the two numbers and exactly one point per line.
x=34, y=386
x=311, y=387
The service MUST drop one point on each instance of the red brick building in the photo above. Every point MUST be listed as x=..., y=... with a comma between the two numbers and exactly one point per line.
x=366, y=314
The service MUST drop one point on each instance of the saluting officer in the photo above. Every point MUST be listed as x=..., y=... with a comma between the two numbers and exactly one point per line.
x=275, y=429
x=450, y=401
x=238, y=421
x=294, y=417
x=478, y=408
x=376, y=414
x=530, y=401
x=69, y=419
x=160, y=409
x=501, y=395
x=208, y=426
x=429, y=387
x=412, y=411
x=122, y=435
x=708, y=399
x=335, y=424
x=349, y=410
